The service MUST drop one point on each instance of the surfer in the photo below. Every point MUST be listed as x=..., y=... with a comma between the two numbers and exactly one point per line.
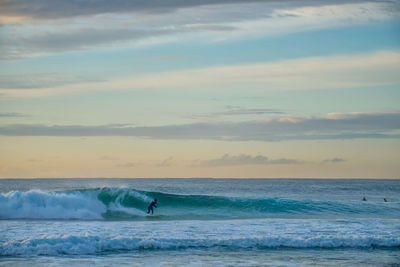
x=364, y=199
x=150, y=207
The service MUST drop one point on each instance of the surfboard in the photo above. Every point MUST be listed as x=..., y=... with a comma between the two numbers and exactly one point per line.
x=153, y=216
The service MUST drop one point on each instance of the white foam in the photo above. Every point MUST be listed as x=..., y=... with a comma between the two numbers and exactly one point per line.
x=51, y=205
x=91, y=237
x=93, y=244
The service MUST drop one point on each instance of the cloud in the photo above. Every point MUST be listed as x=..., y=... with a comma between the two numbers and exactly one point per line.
x=255, y=111
x=166, y=163
x=326, y=127
x=379, y=68
x=234, y=111
x=59, y=8
x=10, y=19
x=243, y=159
x=53, y=9
x=12, y=115
x=45, y=26
x=334, y=160
x=289, y=19
x=339, y=71
x=127, y=165
x=62, y=36
x=32, y=160
x=74, y=38
x=284, y=161
x=41, y=80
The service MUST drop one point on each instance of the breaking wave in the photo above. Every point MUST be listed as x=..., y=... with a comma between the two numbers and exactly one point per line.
x=130, y=204
x=87, y=244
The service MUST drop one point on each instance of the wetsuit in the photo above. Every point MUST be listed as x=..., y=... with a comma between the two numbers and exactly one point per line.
x=150, y=207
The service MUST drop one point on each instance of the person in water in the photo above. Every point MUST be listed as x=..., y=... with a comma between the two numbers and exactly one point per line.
x=150, y=207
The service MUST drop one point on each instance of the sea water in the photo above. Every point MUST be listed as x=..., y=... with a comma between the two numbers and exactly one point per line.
x=199, y=222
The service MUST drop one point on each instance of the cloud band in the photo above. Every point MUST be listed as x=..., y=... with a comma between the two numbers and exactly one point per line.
x=331, y=126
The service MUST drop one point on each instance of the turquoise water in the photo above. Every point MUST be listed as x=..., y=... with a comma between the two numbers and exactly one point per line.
x=200, y=222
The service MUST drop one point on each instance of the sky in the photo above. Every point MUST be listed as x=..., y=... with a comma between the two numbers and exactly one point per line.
x=200, y=88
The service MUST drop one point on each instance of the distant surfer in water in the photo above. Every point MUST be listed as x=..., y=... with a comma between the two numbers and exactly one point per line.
x=150, y=207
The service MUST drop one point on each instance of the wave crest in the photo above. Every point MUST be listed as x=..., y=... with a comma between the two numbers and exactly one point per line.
x=83, y=245
x=130, y=204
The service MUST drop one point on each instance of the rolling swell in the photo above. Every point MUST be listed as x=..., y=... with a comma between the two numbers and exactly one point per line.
x=130, y=204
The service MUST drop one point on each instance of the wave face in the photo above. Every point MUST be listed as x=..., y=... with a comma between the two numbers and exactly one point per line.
x=129, y=204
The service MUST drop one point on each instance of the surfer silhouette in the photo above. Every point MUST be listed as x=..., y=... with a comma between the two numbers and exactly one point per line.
x=150, y=207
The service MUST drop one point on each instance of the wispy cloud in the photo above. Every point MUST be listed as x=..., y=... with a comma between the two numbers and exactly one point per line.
x=33, y=160
x=244, y=159
x=12, y=115
x=127, y=165
x=122, y=22
x=331, y=126
x=379, y=68
x=58, y=9
x=236, y=112
x=339, y=71
x=75, y=38
x=334, y=160
x=41, y=80
x=254, y=111
x=166, y=163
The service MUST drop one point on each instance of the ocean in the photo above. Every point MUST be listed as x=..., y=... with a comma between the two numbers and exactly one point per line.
x=199, y=222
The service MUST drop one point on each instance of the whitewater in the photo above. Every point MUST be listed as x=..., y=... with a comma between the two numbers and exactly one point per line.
x=200, y=222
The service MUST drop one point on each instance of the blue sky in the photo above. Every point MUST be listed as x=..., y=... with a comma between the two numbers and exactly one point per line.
x=118, y=90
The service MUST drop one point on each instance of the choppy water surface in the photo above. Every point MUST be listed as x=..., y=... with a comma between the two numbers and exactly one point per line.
x=215, y=222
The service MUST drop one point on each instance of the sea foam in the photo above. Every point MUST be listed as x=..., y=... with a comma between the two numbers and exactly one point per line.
x=93, y=237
